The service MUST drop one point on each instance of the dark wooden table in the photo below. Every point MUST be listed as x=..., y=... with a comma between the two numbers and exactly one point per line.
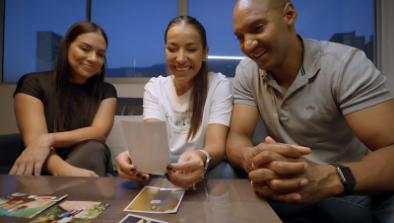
x=215, y=200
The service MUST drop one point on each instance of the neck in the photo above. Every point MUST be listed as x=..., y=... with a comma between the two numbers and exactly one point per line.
x=287, y=72
x=182, y=87
x=74, y=78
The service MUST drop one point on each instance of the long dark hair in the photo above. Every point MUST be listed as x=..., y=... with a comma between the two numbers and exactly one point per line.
x=93, y=86
x=200, y=82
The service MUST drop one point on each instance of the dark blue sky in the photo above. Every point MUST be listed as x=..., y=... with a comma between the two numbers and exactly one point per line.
x=135, y=28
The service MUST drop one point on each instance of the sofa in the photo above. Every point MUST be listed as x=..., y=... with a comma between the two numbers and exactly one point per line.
x=11, y=145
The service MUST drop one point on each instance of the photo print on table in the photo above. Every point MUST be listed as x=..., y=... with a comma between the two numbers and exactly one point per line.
x=157, y=200
x=26, y=205
x=73, y=211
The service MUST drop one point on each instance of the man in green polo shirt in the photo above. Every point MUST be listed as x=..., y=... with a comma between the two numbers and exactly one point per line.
x=329, y=114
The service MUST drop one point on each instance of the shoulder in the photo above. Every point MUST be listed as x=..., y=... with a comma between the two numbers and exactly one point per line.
x=216, y=77
x=338, y=52
x=108, y=87
x=109, y=91
x=46, y=76
x=159, y=81
x=247, y=69
x=36, y=84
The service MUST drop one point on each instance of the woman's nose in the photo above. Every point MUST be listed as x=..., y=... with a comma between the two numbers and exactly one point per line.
x=181, y=57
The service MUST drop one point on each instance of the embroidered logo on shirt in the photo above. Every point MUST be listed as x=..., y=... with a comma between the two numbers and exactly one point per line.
x=310, y=107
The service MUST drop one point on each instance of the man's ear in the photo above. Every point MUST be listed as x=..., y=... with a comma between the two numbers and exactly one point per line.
x=290, y=14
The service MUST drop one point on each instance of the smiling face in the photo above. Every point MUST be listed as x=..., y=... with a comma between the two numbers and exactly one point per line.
x=262, y=28
x=86, y=56
x=184, y=53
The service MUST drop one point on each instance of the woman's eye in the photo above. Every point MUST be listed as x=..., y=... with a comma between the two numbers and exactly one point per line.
x=192, y=50
x=101, y=55
x=171, y=49
x=84, y=49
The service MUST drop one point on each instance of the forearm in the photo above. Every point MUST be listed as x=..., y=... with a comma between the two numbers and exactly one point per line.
x=235, y=148
x=375, y=172
x=70, y=138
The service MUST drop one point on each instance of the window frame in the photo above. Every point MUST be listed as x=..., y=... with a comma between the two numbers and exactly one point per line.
x=183, y=10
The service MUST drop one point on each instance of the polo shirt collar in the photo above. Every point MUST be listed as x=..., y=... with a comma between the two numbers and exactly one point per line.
x=310, y=66
x=311, y=62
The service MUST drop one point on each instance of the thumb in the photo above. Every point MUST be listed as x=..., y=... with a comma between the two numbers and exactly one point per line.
x=269, y=140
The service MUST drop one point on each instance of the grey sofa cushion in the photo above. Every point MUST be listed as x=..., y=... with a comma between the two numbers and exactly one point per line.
x=129, y=106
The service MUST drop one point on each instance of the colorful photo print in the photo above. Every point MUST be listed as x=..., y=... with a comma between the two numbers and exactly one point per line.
x=156, y=200
x=25, y=205
x=73, y=211
x=131, y=218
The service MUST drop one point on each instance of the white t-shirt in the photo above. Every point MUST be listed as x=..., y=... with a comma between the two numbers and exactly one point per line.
x=161, y=102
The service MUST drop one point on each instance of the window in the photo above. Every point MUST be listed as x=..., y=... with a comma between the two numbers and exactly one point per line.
x=350, y=22
x=334, y=20
x=217, y=19
x=32, y=33
x=135, y=31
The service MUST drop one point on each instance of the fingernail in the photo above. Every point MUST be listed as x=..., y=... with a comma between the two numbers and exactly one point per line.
x=132, y=170
x=305, y=167
x=169, y=168
x=144, y=178
x=304, y=183
x=296, y=198
x=167, y=176
x=139, y=175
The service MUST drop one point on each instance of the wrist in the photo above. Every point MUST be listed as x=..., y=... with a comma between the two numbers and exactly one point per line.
x=47, y=139
x=335, y=186
x=245, y=160
x=202, y=155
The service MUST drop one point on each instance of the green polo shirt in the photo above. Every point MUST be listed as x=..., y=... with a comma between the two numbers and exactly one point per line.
x=334, y=80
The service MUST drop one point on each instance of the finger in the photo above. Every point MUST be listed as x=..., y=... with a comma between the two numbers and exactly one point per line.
x=273, y=195
x=133, y=176
x=287, y=198
x=266, y=157
x=303, y=150
x=188, y=165
x=126, y=165
x=185, y=181
x=38, y=168
x=282, y=149
x=262, y=188
x=21, y=169
x=285, y=186
x=269, y=140
x=287, y=168
x=14, y=169
x=262, y=174
x=29, y=169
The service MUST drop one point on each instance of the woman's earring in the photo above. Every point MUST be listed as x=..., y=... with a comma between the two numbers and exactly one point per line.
x=206, y=58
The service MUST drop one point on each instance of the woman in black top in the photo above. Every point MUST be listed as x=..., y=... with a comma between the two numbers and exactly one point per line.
x=65, y=115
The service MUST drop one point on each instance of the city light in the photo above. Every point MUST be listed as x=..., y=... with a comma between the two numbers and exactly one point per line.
x=225, y=58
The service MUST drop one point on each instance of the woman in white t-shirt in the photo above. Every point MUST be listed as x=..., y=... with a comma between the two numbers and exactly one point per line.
x=195, y=103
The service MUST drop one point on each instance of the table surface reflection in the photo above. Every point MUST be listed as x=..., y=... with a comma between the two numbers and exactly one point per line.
x=215, y=200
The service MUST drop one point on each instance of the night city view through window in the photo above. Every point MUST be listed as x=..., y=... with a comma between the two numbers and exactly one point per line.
x=135, y=29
